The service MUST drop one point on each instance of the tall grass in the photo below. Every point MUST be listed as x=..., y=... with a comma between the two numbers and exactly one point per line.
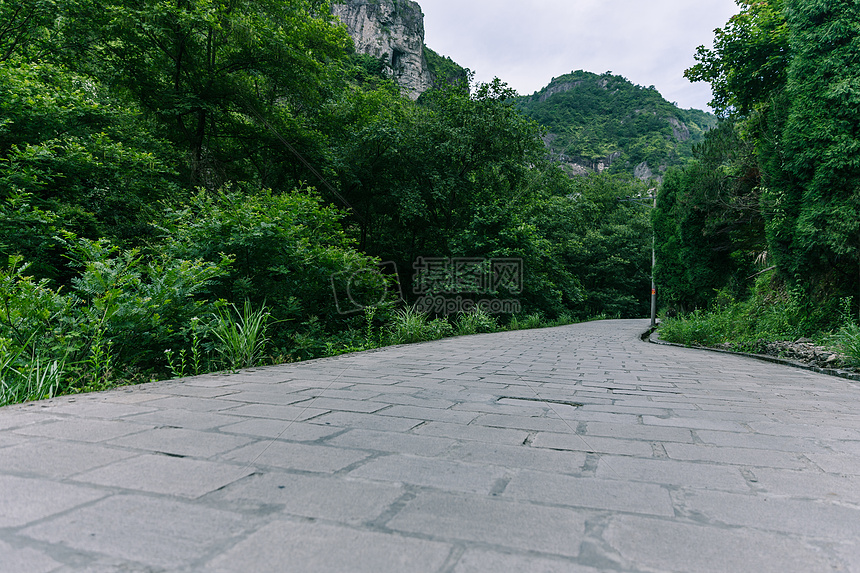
x=241, y=335
x=37, y=378
x=847, y=341
x=771, y=313
x=475, y=322
x=408, y=326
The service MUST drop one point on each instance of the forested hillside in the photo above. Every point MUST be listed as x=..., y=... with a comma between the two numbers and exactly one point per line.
x=205, y=185
x=604, y=122
x=768, y=216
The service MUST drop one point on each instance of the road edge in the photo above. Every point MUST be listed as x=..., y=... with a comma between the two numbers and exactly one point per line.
x=651, y=335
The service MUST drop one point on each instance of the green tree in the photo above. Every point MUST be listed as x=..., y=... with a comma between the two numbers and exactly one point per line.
x=226, y=79
x=26, y=28
x=611, y=254
x=78, y=157
x=749, y=60
x=813, y=202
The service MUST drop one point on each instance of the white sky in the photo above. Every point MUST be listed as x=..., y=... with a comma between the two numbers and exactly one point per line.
x=526, y=44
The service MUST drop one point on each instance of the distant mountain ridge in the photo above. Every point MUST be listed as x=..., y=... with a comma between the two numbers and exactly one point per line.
x=605, y=122
x=594, y=122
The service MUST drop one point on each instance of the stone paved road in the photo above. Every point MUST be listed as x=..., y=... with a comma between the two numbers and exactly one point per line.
x=578, y=448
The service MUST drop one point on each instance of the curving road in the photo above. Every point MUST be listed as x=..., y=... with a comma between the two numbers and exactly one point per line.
x=577, y=448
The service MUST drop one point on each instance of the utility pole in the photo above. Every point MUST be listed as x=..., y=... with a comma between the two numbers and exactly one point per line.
x=653, y=264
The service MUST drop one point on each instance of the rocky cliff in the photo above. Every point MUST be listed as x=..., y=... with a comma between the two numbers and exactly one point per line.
x=392, y=30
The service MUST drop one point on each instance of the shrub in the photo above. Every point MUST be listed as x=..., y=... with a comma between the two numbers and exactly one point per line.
x=287, y=249
x=408, y=325
x=474, y=322
x=241, y=336
x=122, y=312
x=847, y=341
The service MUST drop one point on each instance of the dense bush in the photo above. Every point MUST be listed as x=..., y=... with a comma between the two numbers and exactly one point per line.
x=121, y=313
x=288, y=252
x=771, y=312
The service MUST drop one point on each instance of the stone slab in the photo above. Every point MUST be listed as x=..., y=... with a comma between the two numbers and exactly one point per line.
x=296, y=456
x=484, y=561
x=669, y=472
x=525, y=526
x=25, y=560
x=25, y=500
x=166, y=475
x=366, y=421
x=57, y=459
x=639, y=432
x=580, y=443
x=344, y=500
x=297, y=413
x=294, y=546
x=643, y=542
x=186, y=419
x=288, y=431
x=162, y=532
x=811, y=518
x=593, y=493
x=373, y=440
x=734, y=456
x=82, y=430
x=521, y=456
x=473, y=432
x=182, y=442
x=434, y=473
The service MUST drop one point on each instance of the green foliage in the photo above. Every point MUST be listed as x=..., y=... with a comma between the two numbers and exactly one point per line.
x=443, y=69
x=534, y=320
x=409, y=326
x=214, y=74
x=594, y=119
x=784, y=73
x=74, y=156
x=607, y=244
x=475, y=322
x=772, y=312
x=708, y=226
x=34, y=379
x=749, y=59
x=26, y=29
x=122, y=311
x=286, y=250
x=241, y=336
x=815, y=196
x=847, y=341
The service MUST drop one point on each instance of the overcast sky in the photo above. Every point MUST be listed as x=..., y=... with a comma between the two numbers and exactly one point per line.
x=526, y=44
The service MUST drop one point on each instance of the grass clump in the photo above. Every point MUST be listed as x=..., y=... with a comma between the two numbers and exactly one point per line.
x=408, y=325
x=847, y=341
x=241, y=336
x=771, y=313
x=475, y=322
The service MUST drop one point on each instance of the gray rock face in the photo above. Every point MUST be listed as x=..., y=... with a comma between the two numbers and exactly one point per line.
x=679, y=129
x=392, y=30
x=557, y=89
x=643, y=172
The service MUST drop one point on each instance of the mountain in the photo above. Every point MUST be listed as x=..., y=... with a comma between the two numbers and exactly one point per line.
x=605, y=122
x=392, y=31
x=594, y=122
